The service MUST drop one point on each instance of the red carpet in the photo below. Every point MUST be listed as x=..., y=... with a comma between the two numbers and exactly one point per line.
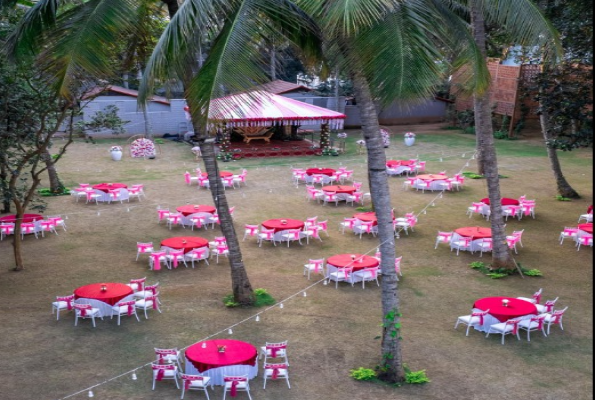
x=276, y=148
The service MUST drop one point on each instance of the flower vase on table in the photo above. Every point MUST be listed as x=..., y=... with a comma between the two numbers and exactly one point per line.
x=116, y=153
x=409, y=138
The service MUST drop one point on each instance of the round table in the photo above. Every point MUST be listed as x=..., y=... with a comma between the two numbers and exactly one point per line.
x=239, y=358
x=339, y=189
x=194, y=208
x=278, y=225
x=114, y=293
x=586, y=227
x=186, y=243
x=432, y=177
x=222, y=174
x=505, y=201
x=369, y=216
x=106, y=187
x=476, y=232
x=345, y=260
x=399, y=163
x=516, y=307
x=320, y=171
x=27, y=218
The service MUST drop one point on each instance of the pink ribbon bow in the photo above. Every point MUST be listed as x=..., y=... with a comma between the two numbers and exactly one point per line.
x=160, y=374
x=515, y=327
x=156, y=262
x=537, y=298
x=276, y=369
x=130, y=308
x=234, y=388
x=539, y=323
x=154, y=300
x=549, y=306
x=557, y=317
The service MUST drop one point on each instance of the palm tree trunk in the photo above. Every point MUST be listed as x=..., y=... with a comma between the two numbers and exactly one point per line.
x=392, y=368
x=564, y=188
x=242, y=289
x=487, y=161
x=479, y=35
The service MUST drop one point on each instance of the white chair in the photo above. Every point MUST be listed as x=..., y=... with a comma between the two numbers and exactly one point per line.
x=62, y=303
x=330, y=197
x=266, y=235
x=174, y=257
x=535, y=323
x=348, y=223
x=367, y=274
x=291, y=235
x=47, y=226
x=568, y=233
x=365, y=227
x=509, y=327
x=85, y=311
x=535, y=299
x=162, y=214
x=555, y=318
x=201, y=253
x=476, y=208
x=174, y=219
x=143, y=248
x=585, y=240
x=137, y=285
x=461, y=243
x=189, y=178
x=220, y=250
x=443, y=237
x=314, y=265
x=547, y=307
x=147, y=303
x=234, y=384
x=250, y=230
x=149, y=290
x=341, y=275
x=6, y=228
x=274, y=350
x=164, y=372
x=124, y=308
x=275, y=371
x=135, y=192
x=93, y=197
x=195, y=382
x=157, y=258
x=485, y=245
x=474, y=319
x=168, y=356
x=587, y=217
x=27, y=228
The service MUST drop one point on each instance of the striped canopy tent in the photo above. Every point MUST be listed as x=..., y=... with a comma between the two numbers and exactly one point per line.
x=260, y=108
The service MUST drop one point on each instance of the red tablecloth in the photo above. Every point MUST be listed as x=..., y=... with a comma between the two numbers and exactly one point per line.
x=106, y=187
x=236, y=353
x=278, y=226
x=339, y=189
x=475, y=231
x=114, y=293
x=26, y=218
x=505, y=201
x=185, y=242
x=586, y=227
x=195, y=208
x=515, y=308
x=222, y=174
x=320, y=171
x=345, y=260
x=399, y=163
x=432, y=177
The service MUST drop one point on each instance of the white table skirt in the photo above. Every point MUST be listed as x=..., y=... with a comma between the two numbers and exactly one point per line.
x=332, y=268
x=434, y=185
x=397, y=170
x=217, y=374
x=105, y=310
x=107, y=197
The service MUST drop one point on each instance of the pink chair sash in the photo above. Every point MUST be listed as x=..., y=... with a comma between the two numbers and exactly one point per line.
x=557, y=317
x=156, y=260
x=162, y=214
x=480, y=315
x=539, y=321
x=444, y=236
x=143, y=247
x=175, y=257
x=276, y=348
x=317, y=264
x=234, y=384
x=130, y=306
x=537, y=297
x=276, y=368
x=83, y=308
x=515, y=326
x=153, y=300
x=252, y=230
x=161, y=370
x=67, y=299
x=549, y=306
x=28, y=227
x=188, y=381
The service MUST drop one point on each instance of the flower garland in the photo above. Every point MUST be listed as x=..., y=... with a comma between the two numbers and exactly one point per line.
x=409, y=135
x=142, y=148
x=115, y=148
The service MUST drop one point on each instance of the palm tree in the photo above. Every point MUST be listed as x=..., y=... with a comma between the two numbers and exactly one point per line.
x=525, y=23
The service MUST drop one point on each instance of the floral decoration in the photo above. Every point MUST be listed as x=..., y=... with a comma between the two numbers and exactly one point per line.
x=361, y=142
x=142, y=148
x=115, y=148
x=341, y=135
x=409, y=135
x=385, y=137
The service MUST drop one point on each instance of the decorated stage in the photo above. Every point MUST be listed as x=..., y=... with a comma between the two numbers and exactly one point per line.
x=276, y=148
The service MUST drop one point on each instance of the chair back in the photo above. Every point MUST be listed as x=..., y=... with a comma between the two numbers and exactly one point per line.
x=269, y=233
x=163, y=213
x=537, y=296
x=7, y=228
x=251, y=229
x=67, y=299
x=350, y=222
x=199, y=253
x=28, y=227
x=156, y=256
x=444, y=237
x=311, y=221
x=294, y=234
x=139, y=283
x=549, y=305
x=129, y=306
x=317, y=263
x=220, y=240
x=557, y=315
x=161, y=353
x=480, y=315
x=275, y=369
x=152, y=288
x=144, y=247
x=477, y=207
x=82, y=308
x=274, y=347
x=187, y=177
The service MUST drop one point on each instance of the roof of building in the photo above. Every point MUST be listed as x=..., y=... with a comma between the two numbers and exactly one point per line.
x=123, y=91
x=281, y=87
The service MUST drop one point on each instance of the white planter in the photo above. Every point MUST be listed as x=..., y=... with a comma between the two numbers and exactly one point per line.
x=116, y=155
x=409, y=141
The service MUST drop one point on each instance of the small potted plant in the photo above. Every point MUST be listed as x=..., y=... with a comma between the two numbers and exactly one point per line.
x=409, y=138
x=116, y=152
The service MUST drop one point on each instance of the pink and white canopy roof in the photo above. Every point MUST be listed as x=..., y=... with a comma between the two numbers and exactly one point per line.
x=264, y=109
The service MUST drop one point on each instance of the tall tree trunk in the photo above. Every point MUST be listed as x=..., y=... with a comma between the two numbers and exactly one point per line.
x=486, y=150
x=242, y=289
x=273, y=63
x=56, y=185
x=564, y=188
x=17, y=241
x=392, y=367
x=479, y=35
